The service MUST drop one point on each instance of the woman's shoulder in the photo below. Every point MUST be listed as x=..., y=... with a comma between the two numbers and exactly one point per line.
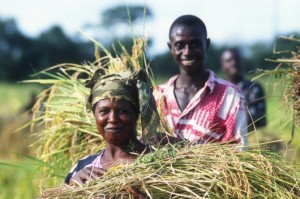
x=81, y=164
x=86, y=161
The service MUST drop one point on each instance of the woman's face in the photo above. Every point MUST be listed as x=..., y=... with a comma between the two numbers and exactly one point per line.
x=115, y=120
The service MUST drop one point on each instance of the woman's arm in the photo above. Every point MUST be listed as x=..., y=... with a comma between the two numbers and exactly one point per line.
x=86, y=174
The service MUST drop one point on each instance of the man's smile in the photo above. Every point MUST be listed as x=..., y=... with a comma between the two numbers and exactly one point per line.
x=188, y=62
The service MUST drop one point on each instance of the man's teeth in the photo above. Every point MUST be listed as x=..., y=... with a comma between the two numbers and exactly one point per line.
x=188, y=62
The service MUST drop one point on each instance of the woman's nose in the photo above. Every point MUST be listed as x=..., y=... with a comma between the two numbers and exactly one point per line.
x=112, y=117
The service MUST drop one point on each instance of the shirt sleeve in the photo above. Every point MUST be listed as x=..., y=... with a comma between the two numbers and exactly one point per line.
x=81, y=164
x=240, y=126
x=236, y=122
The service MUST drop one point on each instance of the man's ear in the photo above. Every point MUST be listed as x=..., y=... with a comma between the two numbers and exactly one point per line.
x=169, y=45
x=207, y=43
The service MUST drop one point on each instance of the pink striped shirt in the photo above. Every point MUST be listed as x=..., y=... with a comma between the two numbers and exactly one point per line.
x=216, y=113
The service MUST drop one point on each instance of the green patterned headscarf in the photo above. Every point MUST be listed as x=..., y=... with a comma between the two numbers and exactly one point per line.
x=133, y=87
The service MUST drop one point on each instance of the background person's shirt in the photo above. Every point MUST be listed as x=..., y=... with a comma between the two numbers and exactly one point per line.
x=217, y=112
x=255, y=98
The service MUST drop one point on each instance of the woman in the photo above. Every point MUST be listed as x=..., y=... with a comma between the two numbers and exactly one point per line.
x=117, y=101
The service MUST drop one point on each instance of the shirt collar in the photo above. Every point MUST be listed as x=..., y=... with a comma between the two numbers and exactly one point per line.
x=210, y=83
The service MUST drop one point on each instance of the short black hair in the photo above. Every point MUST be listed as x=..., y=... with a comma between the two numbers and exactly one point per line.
x=189, y=20
x=234, y=51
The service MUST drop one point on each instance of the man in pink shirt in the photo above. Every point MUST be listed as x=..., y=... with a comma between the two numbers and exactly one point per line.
x=196, y=104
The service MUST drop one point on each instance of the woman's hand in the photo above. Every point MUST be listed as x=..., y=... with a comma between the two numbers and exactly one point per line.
x=137, y=194
x=86, y=174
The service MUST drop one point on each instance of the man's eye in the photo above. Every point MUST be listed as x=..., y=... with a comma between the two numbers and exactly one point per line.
x=195, y=44
x=179, y=45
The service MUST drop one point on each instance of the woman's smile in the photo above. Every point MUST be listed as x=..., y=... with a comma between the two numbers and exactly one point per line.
x=113, y=129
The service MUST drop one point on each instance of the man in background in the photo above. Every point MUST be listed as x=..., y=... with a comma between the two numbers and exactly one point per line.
x=253, y=91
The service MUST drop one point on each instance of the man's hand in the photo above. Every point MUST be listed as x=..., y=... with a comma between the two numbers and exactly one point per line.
x=136, y=193
x=86, y=174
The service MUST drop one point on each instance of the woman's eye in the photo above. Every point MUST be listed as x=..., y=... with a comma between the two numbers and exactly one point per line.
x=103, y=111
x=123, y=111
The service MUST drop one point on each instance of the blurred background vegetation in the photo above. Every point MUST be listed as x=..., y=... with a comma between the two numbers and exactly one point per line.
x=21, y=56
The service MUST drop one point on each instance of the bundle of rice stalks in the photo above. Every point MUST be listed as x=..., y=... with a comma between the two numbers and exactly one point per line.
x=289, y=67
x=202, y=171
x=66, y=131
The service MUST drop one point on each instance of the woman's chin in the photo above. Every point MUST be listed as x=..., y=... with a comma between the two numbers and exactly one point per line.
x=116, y=140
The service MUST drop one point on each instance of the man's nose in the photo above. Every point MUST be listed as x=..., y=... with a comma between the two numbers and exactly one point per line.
x=186, y=49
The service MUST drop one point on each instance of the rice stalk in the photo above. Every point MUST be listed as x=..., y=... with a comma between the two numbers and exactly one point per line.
x=201, y=171
x=289, y=69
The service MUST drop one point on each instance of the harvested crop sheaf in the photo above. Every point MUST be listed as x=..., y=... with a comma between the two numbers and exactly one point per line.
x=202, y=171
x=289, y=68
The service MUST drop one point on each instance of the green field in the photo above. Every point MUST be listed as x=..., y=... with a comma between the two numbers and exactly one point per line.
x=19, y=177
x=18, y=173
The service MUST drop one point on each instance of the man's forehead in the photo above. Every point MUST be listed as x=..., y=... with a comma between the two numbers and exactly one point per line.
x=188, y=30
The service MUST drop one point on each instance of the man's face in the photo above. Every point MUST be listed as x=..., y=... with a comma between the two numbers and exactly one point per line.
x=188, y=45
x=230, y=65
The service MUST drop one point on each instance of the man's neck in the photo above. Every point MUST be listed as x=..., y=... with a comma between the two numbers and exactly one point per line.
x=197, y=79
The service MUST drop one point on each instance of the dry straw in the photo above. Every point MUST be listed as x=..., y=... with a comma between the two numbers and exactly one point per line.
x=289, y=68
x=202, y=171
